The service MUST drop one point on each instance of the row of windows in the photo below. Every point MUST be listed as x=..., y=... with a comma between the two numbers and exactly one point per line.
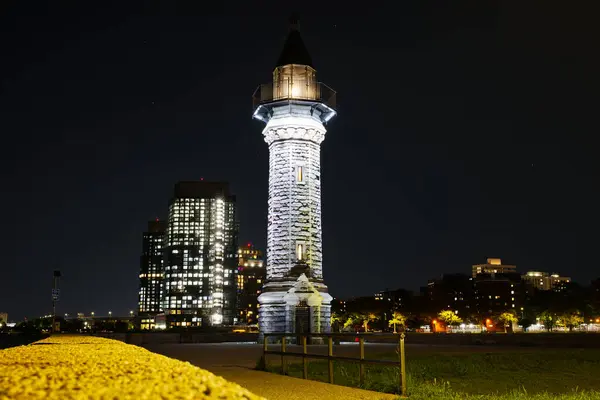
x=190, y=275
x=181, y=284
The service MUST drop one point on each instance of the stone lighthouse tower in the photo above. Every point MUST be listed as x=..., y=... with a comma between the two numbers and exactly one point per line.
x=295, y=108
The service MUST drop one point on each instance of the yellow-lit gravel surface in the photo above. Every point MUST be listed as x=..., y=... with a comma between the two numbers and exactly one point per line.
x=86, y=367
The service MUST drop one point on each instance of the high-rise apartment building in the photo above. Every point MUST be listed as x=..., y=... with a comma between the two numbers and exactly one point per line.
x=546, y=281
x=250, y=277
x=151, y=273
x=498, y=292
x=200, y=255
x=493, y=266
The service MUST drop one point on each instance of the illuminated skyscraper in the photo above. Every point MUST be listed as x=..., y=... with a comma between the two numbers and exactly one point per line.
x=200, y=255
x=295, y=107
x=250, y=277
x=151, y=273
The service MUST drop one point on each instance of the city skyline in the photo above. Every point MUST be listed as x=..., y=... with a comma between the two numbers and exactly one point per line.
x=436, y=165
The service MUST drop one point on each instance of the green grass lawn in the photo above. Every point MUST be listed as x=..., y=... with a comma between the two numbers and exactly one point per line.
x=510, y=374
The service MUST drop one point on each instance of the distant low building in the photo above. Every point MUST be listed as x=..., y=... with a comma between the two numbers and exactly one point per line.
x=493, y=266
x=451, y=291
x=378, y=305
x=338, y=306
x=250, y=277
x=545, y=281
x=398, y=298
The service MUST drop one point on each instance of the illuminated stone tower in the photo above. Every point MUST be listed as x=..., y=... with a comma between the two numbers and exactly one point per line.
x=295, y=108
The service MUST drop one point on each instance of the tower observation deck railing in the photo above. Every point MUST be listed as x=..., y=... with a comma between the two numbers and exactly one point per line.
x=317, y=92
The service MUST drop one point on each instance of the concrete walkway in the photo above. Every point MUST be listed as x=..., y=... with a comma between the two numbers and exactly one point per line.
x=236, y=362
x=278, y=387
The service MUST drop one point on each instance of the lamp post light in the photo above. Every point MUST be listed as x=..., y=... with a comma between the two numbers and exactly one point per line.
x=131, y=313
x=55, y=295
x=92, y=313
x=110, y=314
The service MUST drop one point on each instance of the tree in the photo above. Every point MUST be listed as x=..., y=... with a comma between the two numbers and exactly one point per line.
x=349, y=322
x=507, y=318
x=525, y=322
x=362, y=318
x=548, y=319
x=397, y=319
x=449, y=317
x=336, y=320
x=571, y=319
x=417, y=321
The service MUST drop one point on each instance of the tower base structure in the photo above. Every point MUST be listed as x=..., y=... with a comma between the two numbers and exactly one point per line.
x=299, y=306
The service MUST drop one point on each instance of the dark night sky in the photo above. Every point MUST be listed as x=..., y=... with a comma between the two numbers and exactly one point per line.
x=466, y=130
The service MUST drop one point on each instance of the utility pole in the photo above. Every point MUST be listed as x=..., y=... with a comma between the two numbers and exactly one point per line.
x=55, y=296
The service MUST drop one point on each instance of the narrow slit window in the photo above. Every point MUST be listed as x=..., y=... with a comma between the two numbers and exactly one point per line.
x=300, y=174
x=300, y=251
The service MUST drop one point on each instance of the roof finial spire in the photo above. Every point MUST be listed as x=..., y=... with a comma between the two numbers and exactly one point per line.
x=294, y=22
x=294, y=51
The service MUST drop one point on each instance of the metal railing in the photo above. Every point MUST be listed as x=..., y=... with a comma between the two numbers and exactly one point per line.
x=318, y=91
x=400, y=364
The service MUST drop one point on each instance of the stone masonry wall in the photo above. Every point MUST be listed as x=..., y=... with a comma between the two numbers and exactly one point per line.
x=294, y=137
x=294, y=207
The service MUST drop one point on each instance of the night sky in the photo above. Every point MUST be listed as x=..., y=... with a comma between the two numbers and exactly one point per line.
x=466, y=130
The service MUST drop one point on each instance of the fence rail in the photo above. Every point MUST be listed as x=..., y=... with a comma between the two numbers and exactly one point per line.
x=400, y=364
x=318, y=91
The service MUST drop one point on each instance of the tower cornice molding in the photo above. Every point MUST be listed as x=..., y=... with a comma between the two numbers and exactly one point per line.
x=297, y=128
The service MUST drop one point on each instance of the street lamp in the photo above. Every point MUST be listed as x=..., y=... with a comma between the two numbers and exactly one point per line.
x=110, y=313
x=131, y=313
x=92, y=313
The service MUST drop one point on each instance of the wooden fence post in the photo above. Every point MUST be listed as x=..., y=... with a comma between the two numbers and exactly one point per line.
x=330, y=354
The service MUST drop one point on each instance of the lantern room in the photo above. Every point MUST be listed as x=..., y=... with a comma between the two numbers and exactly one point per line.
x=294, y=81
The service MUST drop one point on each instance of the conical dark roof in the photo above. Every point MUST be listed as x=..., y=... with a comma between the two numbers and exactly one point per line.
x=294, y=50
